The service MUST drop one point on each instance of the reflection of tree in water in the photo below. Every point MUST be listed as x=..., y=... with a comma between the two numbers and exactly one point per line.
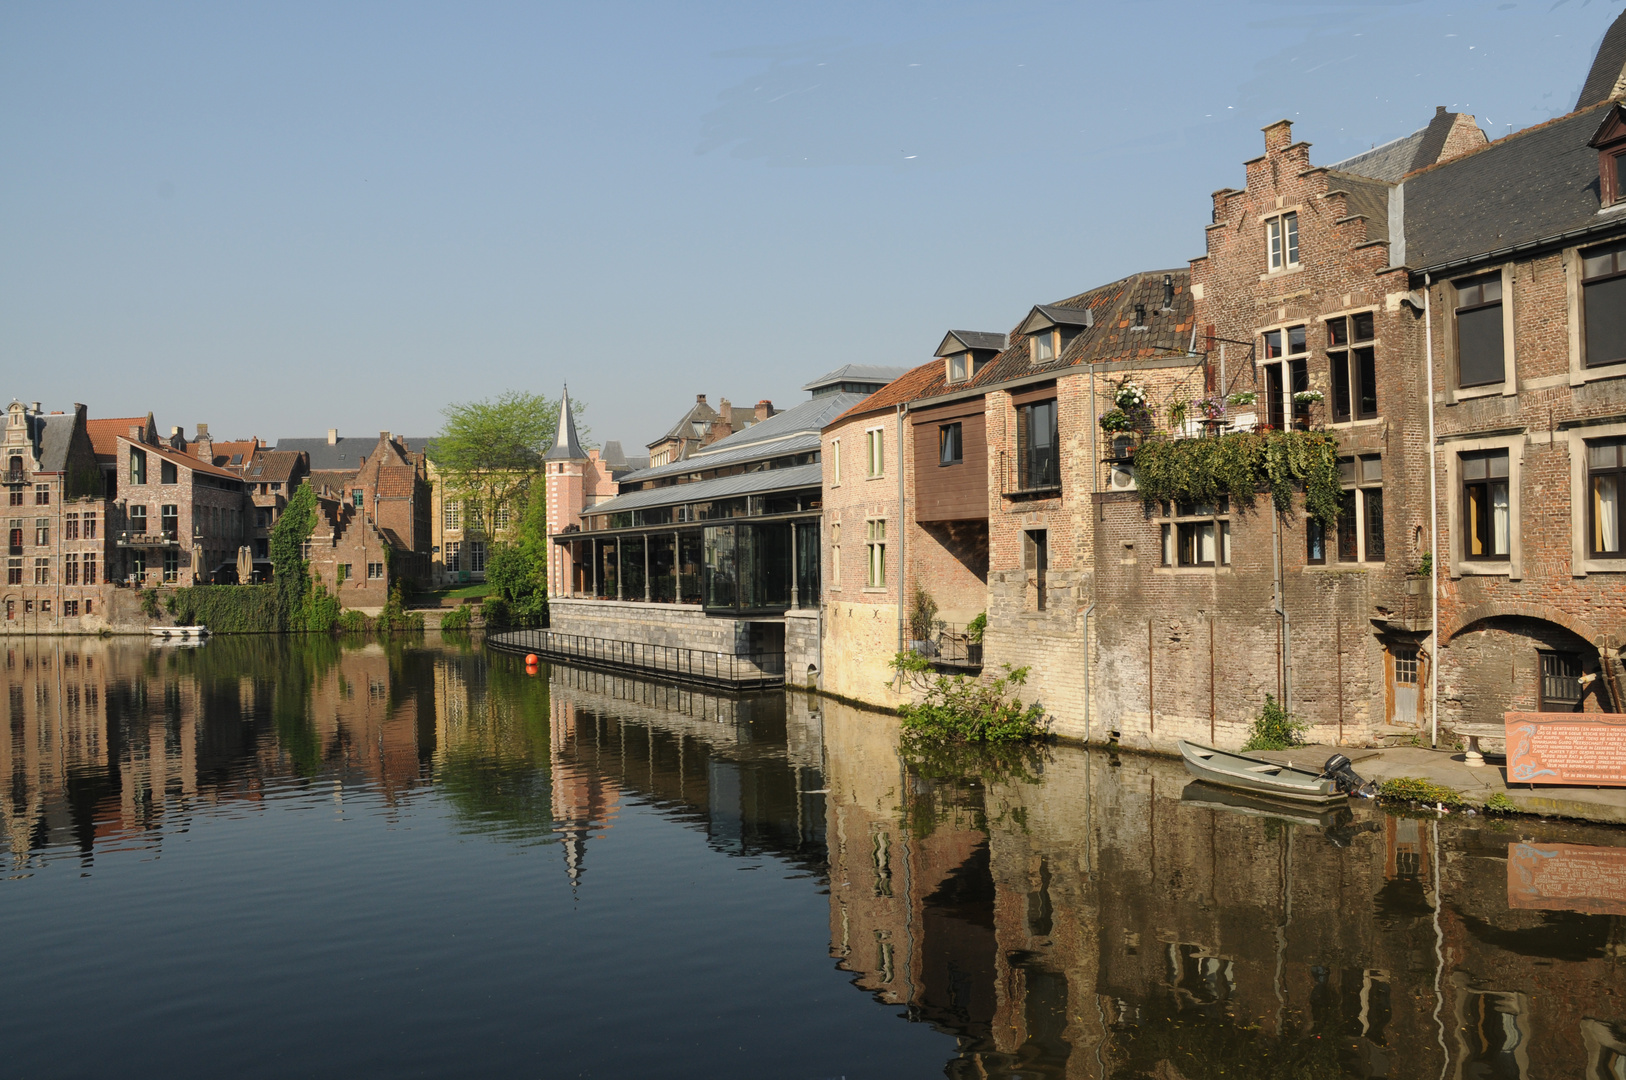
x=493, y=767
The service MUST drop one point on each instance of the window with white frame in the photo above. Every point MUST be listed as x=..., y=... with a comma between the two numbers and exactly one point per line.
x=499, y=517
x=1195, y=534
x=1282, y=235
x=451, y=515
x=875, y=542
x=454, y=555
x=477, y=556
x=1043, y=345
x=835, y=554
x=959, y=366
x=1286, y=374
x=875, y=443
x=835, y=461
x=375, y=571
x=1487, y=524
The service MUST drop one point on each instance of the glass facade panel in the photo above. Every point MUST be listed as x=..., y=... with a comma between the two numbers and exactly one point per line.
x=807, y=564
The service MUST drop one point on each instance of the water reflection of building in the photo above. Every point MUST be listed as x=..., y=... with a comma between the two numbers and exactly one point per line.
x=113, y=743
x=746, y=769
x=1093, y=924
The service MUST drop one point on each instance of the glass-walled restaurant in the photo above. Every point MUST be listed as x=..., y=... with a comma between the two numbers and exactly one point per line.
x=735, y=545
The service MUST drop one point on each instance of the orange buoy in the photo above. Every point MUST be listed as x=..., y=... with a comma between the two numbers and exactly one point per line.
x=531, y=660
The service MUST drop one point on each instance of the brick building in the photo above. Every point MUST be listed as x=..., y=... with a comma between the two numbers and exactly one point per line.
x=1517, y=252
x=56, y=523
x=177, y=519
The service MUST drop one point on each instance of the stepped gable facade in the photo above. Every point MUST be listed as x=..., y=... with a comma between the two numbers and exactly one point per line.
x=56, y=523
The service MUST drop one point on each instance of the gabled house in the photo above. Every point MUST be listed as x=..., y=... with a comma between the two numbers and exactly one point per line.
x=55, y=522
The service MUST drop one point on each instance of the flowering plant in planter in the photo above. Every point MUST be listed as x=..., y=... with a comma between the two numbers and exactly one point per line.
x=1243, y=397
x=1309, y=397
x=1129, y=396
x=1213, y=408
x=1115, y=421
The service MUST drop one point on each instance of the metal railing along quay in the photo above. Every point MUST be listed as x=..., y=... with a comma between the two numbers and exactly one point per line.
x=744, y=671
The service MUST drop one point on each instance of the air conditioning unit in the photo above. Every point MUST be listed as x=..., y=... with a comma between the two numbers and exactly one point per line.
x=1121, y=478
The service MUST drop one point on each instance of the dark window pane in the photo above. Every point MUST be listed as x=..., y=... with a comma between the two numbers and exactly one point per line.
x=1273, y=344
x=1366, y=382
x=1340, y=386
x=1605, y=303
x=1299, y=371
x=1295, y=340
x=1315, y=542
x=1479, y=346
x=1363, y=326
x=1560, y=682
x=1038, y=455
x=1337, y=332
x=1374, y=523
x=1348, y=548
x=948, y=445
x=1273, y=396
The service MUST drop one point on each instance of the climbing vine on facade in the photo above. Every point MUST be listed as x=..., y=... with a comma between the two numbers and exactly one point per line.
x=1239, y=465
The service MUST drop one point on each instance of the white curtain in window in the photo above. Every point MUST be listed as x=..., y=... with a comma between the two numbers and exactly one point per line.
x=1606, y=513
x=1499, y=517
x=1205, y=544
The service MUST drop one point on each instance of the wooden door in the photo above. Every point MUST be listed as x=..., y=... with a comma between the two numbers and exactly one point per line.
x=1401, y=668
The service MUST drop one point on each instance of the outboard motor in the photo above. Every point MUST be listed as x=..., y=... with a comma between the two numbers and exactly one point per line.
x=1338, y=768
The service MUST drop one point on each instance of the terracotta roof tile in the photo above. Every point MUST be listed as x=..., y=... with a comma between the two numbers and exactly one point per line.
x=104, y=432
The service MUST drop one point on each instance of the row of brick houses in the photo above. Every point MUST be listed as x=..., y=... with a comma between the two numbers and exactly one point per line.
x=99, y=510
x=1451, y=310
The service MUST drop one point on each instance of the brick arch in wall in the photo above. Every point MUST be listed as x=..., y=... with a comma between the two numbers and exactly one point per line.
x=1546, y=613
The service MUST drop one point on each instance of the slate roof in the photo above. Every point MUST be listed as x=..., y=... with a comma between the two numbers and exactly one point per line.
x=793, y=431
x=794, y=444
x=1393, y=160
x=702, y=412
x=1113, y=337
x=566, y=446
x=345, y=454
x=751, y=483
x=1366, y=197
x=55, y=435
x=859, y=373
x=1534, y=185
x=1608, y=67
x=960, y=340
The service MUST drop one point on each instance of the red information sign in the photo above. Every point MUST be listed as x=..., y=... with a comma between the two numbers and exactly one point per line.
x=1586, y=749
x=1567, y=877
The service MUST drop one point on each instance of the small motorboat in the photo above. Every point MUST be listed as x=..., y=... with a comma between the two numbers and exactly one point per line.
x=1242, y=773
x=184, y=632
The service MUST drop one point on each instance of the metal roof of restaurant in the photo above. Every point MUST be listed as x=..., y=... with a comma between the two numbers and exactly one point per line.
x=864, y=373
x=752, y=483
x=794, y=444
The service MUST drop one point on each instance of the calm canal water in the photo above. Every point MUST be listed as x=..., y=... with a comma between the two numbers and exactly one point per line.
x=271, y=858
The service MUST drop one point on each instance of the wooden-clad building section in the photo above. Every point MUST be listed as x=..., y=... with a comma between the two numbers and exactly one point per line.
x=951, y=462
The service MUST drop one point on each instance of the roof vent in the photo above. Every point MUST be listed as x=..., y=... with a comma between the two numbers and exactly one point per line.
x=1168, y=292
x=1140, y=314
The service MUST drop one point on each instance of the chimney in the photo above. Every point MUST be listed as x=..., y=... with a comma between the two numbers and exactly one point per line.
x=764, y=410
x=723, y=426
x=177, y=439
x=37, y=405
x=332, y=436
x=699, y=399
x=136, y=432
x=203, y=431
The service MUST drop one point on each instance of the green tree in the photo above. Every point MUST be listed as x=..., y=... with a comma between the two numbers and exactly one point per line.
x=518, y=570
x=490, y=452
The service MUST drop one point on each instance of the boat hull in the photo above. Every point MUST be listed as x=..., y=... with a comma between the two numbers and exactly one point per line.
x=1259, y=777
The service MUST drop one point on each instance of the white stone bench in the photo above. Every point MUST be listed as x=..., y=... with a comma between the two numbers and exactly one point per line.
x=1472, y=733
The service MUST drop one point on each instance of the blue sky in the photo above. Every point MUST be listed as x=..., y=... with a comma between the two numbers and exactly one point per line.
x=282, y=218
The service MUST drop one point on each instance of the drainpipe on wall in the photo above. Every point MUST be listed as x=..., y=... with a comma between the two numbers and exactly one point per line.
x=903, y=530
x=1433, y=530
x=1281, y=612
x=1095, y=489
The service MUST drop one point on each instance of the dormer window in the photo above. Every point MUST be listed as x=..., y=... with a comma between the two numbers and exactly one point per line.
x=1043, y=345
x=1610, y=142
x=966, y=352
x=1283, y=233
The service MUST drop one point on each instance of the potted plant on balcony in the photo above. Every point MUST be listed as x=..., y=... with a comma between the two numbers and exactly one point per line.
x=922, y=622
x=973, y=637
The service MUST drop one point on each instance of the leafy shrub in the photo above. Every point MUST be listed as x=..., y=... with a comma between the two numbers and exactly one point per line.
x=169, y=603
x=497, y=613
x=1275, y=728
x=976, y=628
x=395, y=616
x=149, y=603
x=958, y=709
x=354, y=622
x=321, y=610
x=459, y=618
x=229, y=609
x=1499, y=803
x=1415, y=789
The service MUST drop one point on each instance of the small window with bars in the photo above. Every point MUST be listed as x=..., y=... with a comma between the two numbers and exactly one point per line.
x=1560, y=682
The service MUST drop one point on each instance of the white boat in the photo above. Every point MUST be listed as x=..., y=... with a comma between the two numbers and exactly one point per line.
x=1258, y=776
x=178, y=631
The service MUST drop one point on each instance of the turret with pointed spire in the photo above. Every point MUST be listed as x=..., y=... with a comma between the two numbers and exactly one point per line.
x=566, y=446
